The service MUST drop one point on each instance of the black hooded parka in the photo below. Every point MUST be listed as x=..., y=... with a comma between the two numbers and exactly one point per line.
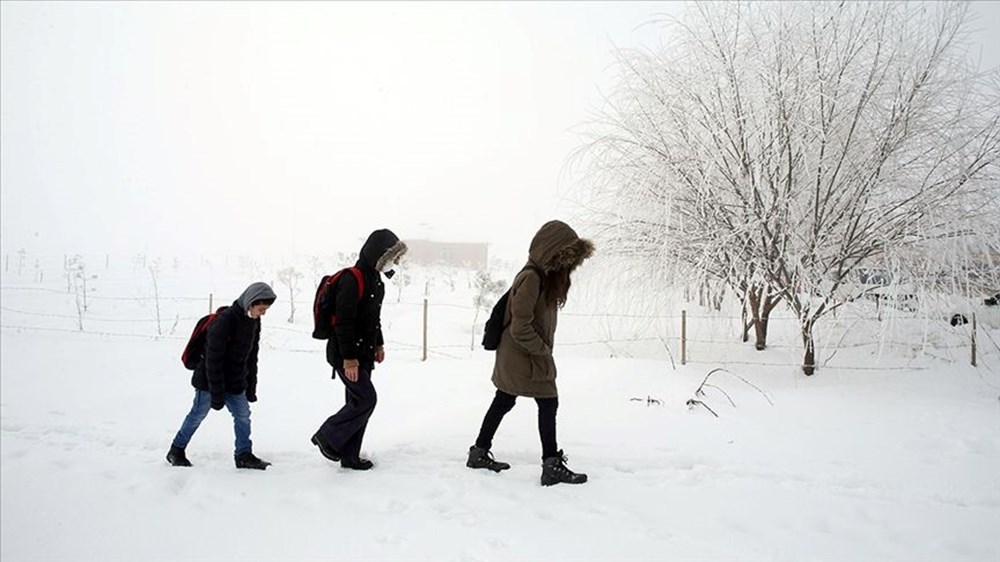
x=358, y=331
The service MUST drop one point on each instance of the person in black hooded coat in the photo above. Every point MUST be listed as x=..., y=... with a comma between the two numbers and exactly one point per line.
x=227, y=375
x=356, y=346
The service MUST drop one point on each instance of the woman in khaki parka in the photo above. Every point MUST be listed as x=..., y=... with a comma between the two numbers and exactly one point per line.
x=524, y=364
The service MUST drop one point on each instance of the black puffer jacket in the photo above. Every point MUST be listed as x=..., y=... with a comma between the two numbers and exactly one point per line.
x=230, y=362
x=359, y=321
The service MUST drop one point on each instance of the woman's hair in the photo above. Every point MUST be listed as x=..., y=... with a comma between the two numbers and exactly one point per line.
x=268, y=302
x=556, y=286
x=557, y=281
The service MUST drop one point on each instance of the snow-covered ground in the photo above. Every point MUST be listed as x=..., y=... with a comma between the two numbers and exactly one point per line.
x=896, y=461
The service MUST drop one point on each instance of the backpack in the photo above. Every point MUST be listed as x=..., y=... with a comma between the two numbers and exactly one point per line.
x=495, y=325
x=195, y=348
x=324, y=303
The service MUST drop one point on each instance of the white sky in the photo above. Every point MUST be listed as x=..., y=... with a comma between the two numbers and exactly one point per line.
x=276, y=128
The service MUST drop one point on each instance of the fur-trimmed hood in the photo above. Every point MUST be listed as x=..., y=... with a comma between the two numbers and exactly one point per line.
x=382, y=247
x=557, y=246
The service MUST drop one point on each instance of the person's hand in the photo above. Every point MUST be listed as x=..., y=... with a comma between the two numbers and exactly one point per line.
x=218, y=401
x=251, y=397
x=351, y=369
x=379, y=354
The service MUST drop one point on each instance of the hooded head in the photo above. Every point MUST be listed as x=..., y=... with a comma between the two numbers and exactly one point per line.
x=382, y=250
x=256, y=292
x=557, y=250
x=557, y=247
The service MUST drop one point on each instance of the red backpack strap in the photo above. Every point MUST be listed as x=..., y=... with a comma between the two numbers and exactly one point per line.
x=361, y=281
x=199, y=329
x=361, y=286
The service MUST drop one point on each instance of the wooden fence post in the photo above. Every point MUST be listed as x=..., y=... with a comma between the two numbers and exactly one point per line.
x=973, y=339
x=424, y=358
x=683, y=337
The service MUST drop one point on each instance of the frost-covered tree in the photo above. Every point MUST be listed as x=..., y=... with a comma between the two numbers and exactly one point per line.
x=154, y=273
x=780, y=146
x=76, y=275
x=485, y=291
x=290, y=277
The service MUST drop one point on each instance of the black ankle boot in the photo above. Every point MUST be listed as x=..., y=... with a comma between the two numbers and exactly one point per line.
x=248, y=460
x=176, y=457
x=483, y=458
x=325, y=448
x=554, y=471
x=357, y=464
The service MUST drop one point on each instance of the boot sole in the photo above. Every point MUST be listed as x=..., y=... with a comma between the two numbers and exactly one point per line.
x=546, y=482
x=496, y=467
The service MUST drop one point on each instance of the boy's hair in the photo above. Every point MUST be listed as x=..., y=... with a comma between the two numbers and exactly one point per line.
x=268, y=302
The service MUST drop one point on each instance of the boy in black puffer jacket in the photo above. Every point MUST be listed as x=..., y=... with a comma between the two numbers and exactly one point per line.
x=227, y=375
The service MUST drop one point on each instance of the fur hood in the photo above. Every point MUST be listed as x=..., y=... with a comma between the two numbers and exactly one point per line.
x=381, y=248
x=556, y=246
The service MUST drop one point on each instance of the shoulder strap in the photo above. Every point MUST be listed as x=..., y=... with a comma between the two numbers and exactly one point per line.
x=506, y=295
x=361, y=280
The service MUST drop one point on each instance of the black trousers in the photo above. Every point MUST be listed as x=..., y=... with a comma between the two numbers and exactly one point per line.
x=502, y=403
x=346, y=429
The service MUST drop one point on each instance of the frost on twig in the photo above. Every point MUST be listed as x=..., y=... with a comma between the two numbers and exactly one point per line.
x=649, y=400
x=700, y=394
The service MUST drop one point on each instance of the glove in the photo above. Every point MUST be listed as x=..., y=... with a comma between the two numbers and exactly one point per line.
x=251, y=396
x=218, y=401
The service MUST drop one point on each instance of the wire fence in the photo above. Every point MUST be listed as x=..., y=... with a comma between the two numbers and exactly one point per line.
x=449, y=330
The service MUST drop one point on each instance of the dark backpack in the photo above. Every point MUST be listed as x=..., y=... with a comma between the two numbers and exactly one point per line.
x=495, y=324
x=195, y=348
x=324, y=303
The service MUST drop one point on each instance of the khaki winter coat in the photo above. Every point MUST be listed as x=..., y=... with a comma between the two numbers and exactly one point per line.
x=524, y=364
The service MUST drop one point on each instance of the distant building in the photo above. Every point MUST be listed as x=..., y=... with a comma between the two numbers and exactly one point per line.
x=474, y=255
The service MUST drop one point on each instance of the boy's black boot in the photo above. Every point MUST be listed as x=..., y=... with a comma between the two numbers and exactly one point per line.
x=554, y=471
x=176, y=457
x=483, y=458
x=248, y=460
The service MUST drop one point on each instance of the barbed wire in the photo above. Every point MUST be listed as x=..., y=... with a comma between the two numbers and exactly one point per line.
x=90, y=318
x=447, y=350
x=93, y=333
x=91, y=295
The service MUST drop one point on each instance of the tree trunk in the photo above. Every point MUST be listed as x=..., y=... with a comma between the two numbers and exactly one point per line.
x=761, y=305
x=809, y=359
x=746, y=325
x=759, y=318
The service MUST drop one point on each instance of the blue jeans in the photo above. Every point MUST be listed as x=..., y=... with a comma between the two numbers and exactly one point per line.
x=238, y=407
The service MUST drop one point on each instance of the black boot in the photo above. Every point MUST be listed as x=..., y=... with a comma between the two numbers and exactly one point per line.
x=554, y=471
x=483, y=458
x=356, y=464
x=325, y=448
x=176, y=457
x=248, y=460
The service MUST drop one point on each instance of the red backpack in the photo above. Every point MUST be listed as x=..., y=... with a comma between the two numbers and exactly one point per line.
x=324, y=304
x=195, y=348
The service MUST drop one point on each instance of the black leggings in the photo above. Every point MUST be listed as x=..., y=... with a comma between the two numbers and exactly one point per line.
x=502, y=403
